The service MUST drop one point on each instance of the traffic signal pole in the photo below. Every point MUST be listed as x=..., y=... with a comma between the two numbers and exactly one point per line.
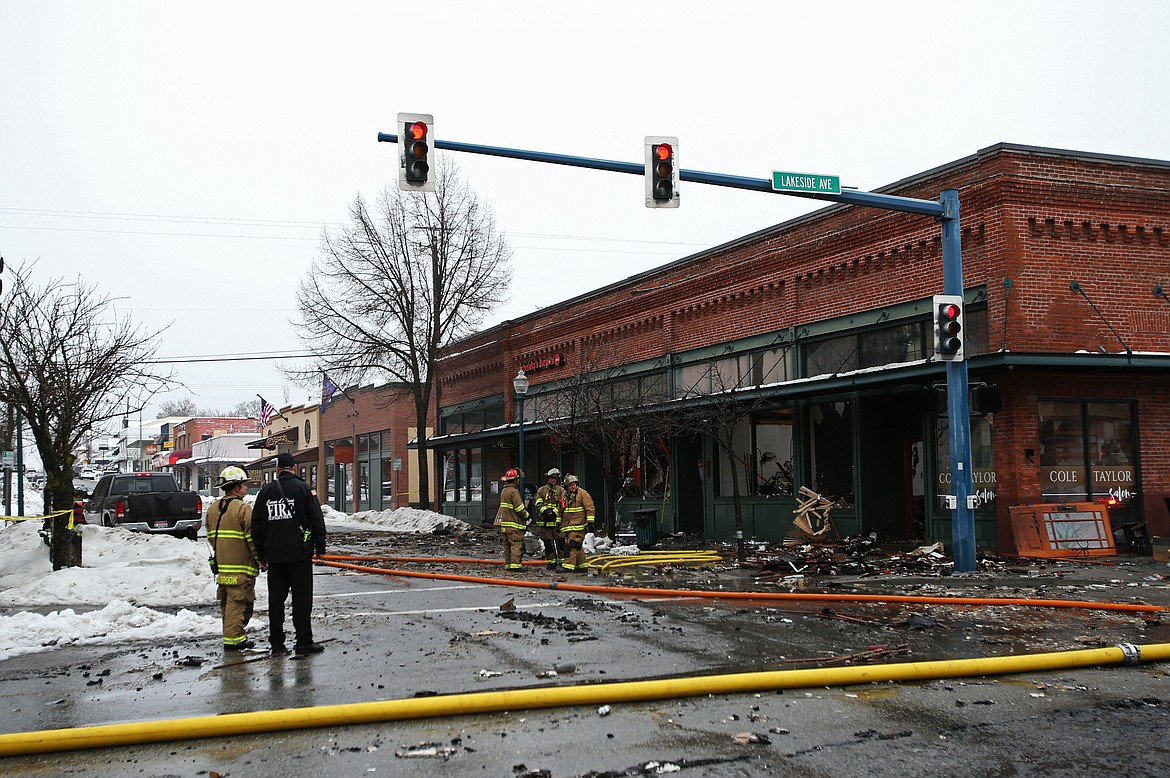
x=945, y=210
x=958, y=410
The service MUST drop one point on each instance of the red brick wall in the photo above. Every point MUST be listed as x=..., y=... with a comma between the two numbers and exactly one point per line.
x=377, y=409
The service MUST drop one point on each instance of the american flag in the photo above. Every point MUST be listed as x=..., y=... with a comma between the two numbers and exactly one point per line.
x=267, y=411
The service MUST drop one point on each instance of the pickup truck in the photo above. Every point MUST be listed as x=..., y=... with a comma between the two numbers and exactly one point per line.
x=144, y=502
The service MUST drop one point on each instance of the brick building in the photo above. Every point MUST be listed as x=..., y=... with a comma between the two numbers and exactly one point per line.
x=822, y=328
x=365, y=462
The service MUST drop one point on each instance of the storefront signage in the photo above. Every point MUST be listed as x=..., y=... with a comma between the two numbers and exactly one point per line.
x=1075, y=475
x=543, y=363
x=280, y=439
x=151, y=449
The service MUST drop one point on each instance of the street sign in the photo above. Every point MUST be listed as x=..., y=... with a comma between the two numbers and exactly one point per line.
x=783, y=181
x=7, y=459
x=397, y=463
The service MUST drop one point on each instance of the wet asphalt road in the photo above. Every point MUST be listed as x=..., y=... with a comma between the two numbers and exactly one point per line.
x=393, y=638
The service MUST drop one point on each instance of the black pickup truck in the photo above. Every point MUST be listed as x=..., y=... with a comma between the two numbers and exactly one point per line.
x=145, y=502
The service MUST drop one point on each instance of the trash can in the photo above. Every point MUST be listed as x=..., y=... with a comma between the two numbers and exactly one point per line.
x=646, y=527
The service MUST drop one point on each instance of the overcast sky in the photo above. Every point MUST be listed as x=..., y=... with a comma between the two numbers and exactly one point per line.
x=185, y=158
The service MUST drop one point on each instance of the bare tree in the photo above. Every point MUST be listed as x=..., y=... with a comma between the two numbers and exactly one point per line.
x=610, y=416
x=400, y=283
x=183, y=407
x=68, y=363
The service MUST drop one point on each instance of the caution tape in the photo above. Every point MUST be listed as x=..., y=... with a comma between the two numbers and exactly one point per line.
x=41, y=517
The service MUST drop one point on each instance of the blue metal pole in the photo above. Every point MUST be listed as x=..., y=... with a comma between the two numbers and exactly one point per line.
x=958, y=411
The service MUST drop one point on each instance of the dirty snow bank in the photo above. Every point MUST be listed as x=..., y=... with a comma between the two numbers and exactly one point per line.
x=398, y=520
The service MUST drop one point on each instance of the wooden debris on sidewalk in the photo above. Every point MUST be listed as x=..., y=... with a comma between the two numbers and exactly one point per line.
x=812, y=522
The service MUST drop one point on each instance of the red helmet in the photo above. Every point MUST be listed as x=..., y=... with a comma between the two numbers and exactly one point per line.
x=511, y=475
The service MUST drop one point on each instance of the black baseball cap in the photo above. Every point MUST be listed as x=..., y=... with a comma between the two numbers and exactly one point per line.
x=285, y=460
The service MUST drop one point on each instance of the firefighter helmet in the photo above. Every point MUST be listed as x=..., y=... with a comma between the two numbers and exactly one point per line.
x=571, y=479
x=553, y=472
x=511, y=475
x=231, y=475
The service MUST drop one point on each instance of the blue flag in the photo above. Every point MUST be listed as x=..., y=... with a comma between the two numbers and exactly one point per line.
x=328, y=390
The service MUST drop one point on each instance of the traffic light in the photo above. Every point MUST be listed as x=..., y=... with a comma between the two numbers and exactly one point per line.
x=948, y=327
x=661, y=171
x=416, y=141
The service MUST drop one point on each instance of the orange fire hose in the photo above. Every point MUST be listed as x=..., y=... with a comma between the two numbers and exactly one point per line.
x=631, y=591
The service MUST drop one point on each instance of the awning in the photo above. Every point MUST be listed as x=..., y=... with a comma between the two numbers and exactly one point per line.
x=168, y=458
x=286, y=437
x=308, y=456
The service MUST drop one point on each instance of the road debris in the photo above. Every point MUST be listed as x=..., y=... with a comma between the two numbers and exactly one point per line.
x=426, y=750
x=751, y=738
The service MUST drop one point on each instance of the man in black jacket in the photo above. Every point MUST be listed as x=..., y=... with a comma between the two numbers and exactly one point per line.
x=288, y=528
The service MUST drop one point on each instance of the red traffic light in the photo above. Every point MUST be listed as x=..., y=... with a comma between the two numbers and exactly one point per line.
x=418, y=130
x=663, y=151
x=949, y=310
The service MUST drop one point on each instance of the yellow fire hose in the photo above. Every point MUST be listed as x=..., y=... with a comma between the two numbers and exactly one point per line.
x=644, y=559
x=235, y=724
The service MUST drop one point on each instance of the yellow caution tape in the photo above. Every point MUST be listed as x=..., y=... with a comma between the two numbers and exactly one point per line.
x=41, y=517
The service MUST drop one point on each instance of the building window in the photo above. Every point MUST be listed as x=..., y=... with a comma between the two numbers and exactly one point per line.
x=892, y=345
x=645, y=467
x=475, y=475
x=984, y=481
x=450, y=480
x=834, y=355
x=831, y=449
x=1087, y=454
x=763, y=453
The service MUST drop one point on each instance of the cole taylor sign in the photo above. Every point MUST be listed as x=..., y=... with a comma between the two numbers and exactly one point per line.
x=543, y=363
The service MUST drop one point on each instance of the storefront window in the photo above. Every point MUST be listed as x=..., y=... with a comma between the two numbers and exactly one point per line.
x=387, y=483
x=1087, y=454
x=331, y=483
x=773, y=461
x=475, y=475
x=645, y=467
x=831, y=449
x=344, y=487
x=364, y=485
x=763, y=453
x=984, y=482
x=450, y=490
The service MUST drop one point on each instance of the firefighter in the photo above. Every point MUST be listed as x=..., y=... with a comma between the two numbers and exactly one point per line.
x=548, y=518
x=513, y=520
x=576, y=520
x=233, y=556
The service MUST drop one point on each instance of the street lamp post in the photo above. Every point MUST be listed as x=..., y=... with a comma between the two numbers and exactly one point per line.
x=520, y=387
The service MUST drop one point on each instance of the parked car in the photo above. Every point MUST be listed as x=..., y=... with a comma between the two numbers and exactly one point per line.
x=144, y=502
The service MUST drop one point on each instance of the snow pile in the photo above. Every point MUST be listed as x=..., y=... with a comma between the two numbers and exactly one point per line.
x=27, y=633
x=399, y=520
x=152, y=570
